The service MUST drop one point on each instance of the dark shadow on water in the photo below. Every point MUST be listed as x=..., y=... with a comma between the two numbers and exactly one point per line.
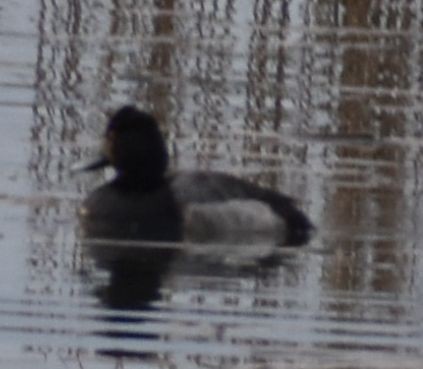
x=135, y=281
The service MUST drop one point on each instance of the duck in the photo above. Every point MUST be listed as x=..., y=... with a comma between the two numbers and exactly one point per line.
x=147, y=201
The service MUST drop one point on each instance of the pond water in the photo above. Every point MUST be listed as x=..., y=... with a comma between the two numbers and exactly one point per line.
x=320, y=99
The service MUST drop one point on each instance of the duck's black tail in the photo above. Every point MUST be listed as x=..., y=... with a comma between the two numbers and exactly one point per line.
x=299, y=228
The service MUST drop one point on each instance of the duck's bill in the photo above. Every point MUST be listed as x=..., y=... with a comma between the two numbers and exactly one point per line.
x=95, y=164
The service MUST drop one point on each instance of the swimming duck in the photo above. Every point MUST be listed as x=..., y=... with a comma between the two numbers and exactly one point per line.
x=146, y=202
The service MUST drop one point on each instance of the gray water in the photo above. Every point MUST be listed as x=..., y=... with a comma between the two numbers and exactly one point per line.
x=319, y=99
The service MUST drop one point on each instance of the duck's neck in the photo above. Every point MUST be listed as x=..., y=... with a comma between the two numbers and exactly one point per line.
x=139, y=182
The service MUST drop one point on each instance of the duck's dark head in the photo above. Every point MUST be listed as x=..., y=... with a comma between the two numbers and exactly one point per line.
x=134, y=145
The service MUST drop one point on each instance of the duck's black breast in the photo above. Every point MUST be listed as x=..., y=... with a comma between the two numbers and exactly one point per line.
x=114, y=212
